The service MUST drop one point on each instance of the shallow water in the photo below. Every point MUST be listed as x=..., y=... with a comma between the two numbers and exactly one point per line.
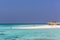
x=29, y=34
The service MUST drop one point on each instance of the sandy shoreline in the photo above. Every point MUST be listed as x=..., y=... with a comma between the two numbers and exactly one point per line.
x=38, y=27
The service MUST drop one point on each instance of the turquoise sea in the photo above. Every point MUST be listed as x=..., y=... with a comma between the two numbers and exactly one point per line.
x=6, y=33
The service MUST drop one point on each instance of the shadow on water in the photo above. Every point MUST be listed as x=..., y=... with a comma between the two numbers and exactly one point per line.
x=14, y=37
x=39, y=39
x=2, y=33
x=27, y=39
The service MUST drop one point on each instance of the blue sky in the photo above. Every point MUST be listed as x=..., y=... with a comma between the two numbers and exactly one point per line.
x=29, y=11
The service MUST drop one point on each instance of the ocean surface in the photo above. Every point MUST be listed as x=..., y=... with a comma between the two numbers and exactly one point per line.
x=6, y=33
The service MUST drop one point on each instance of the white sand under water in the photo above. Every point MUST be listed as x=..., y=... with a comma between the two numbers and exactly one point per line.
x=38, y=27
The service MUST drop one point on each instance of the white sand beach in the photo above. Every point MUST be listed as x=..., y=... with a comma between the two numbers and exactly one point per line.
x=38, y=27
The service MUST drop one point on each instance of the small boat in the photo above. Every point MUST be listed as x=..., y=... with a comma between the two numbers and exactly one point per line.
x=53, y=23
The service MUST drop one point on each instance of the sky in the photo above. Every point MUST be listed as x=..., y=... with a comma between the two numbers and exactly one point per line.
x=29, y=11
